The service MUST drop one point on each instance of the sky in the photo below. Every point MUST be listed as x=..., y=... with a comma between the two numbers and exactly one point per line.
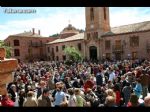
x=52, y=20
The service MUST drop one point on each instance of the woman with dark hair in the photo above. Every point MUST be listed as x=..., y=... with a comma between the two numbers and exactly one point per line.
x=133, y=101
x=118, y=94
x=126, y=91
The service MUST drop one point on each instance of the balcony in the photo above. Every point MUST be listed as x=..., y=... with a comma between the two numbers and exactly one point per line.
x=35, y=44
x=117, y=48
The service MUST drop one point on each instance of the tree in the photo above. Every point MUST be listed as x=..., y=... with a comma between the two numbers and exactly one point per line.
x=54, y=35
x=73, y=54
x=7, y=48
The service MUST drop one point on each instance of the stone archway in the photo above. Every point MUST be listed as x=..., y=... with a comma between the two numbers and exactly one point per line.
x=93, y=52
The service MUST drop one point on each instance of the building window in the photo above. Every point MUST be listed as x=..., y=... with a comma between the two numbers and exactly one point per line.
x=48, y=49
x=30, y=42
x=88, y=36
x=16, y=43
x=79, y=46
x=96, y=34
x=63, y=47
x=108, y=56
x=104, y=13
x=56, y=48
x=134, y=55
x=41, y=42
x=16, y=52
x=107, y=44
x=64, y=57
x=92, y=14
x=52, y=50
x=57, y=58
x=134, y=41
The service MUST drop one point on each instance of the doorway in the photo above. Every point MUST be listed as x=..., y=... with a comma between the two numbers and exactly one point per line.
x=93, y=53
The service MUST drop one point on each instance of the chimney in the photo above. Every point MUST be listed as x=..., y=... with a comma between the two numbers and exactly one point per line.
x=33, y=31
x=39, y=32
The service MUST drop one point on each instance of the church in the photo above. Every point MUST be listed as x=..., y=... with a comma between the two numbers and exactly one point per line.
x=98, y=41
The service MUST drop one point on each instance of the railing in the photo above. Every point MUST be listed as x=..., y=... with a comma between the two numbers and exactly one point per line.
x=117, y=48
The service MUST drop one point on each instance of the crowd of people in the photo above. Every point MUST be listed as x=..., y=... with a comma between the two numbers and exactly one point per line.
x=82, y=84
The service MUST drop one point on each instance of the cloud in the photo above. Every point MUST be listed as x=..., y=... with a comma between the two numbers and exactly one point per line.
x=48, y=25
x=128, y=16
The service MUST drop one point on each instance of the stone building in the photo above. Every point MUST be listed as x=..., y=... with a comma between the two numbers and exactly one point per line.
x=28, y=46
x=100, y=41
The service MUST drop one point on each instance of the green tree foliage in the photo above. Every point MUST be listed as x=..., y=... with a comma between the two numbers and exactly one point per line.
x=7, y=48
x=73, y=54
x=54, y=35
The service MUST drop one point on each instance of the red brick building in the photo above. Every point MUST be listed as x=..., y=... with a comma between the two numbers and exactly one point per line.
x=28, y=46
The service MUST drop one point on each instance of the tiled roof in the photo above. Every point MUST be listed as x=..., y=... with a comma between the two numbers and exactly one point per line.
x=75, y=37
x=136, y=27
x=27, y=34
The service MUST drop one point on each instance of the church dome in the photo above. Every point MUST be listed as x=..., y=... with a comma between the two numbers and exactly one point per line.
x=70, y=29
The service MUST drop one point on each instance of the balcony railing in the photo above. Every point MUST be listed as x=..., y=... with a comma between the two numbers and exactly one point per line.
x=117, y=48
x=35, y=44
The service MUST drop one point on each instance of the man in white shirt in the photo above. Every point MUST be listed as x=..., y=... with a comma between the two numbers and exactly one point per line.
x=111, y=76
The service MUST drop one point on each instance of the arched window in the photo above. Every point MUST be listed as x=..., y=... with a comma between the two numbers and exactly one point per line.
x=16, y=43
x=104, y=13
x=92, y=14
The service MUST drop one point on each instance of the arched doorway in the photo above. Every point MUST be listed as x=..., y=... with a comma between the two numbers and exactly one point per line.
x=93, y=52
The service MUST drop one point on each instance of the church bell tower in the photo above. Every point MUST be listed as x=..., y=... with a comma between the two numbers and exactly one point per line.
x=97, y=21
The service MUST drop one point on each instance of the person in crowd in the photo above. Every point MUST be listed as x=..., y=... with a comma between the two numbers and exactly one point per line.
x=145, y=80
x=138, y=88
x=117, y=94
x=22, y=97
x=110, y=101
x=30, y=101
x=127, y=92
x=147, y=101
x=60, y=98
x=99, y=78
x=72, y=101
x=13, y=92
x=133, y=101
x=6, y=101
x=80, y=100
x=42, y=86
x=112, y=75
x=44, y=100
